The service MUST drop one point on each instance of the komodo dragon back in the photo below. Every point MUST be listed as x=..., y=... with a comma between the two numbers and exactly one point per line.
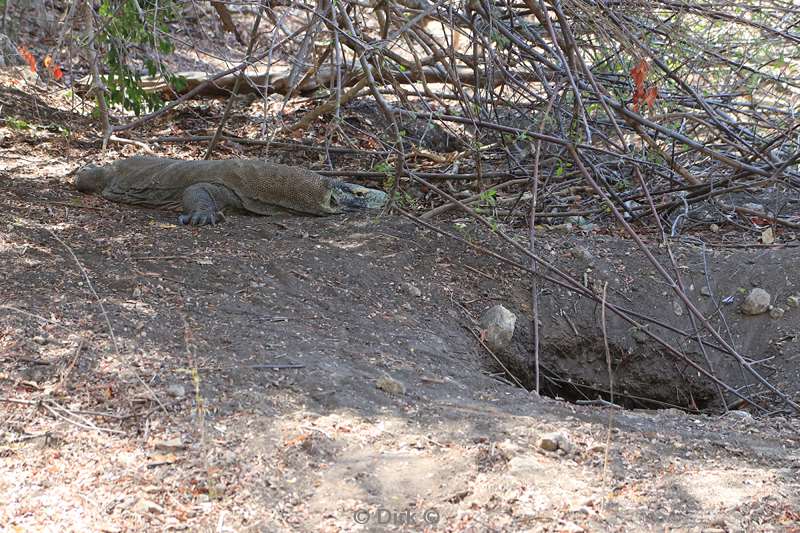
x=260, y=185
x=298, y=189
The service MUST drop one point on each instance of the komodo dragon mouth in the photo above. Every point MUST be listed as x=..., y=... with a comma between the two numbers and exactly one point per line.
x=349, y=197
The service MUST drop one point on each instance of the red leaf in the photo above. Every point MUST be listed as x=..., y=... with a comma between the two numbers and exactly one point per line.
x=639, y=73
x=28, y=57
x=50, y=64
x=650, y=96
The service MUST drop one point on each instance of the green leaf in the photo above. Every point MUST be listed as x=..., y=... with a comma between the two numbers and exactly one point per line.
x=17, y=124
x=489, y=197
x=384, y=167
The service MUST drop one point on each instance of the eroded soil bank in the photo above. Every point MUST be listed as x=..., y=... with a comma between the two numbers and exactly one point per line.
x=277, y=375
x=717, y=282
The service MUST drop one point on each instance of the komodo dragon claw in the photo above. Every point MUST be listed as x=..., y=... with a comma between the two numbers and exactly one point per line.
x=200, y=219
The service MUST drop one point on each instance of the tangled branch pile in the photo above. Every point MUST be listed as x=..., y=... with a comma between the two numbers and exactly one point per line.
x=669, y=103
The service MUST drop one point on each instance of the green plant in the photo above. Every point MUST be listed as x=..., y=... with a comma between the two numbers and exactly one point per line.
x=17, y=124
x=58, y=128
x=388, y=170
x=465, y=231
x=489, y=197
x=142, y=26
x=403, y=199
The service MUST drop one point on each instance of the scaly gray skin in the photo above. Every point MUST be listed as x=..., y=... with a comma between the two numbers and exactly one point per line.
x=203, y=202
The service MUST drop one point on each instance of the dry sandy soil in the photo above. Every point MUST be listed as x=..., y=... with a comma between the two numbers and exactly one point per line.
x=280, y=375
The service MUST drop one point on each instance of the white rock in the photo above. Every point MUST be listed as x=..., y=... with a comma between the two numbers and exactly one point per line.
x=497, y=324
x=776, y=312
x=756, y=302
x=176, y=390
x=555, y=441
x=390, y=385
x=570, y=527
x=171, y=445
x=736, y=413
x=147, y=507
x=524, y=465
x=412, y=290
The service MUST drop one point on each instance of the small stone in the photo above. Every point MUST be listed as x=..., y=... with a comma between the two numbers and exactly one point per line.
x=736, y=413
x=497, y=327
x=40, y=339
x=793, y=301
x=170, y=445
x=160, y=459
x=524, y=465
x=570, y=527
x=776, y=312
x=555, y=441
x=227, y=458
x=767, y=236
x=509, y=448
x=719, y=524
x=596, y=448
x=390, y=385
x=579, y=252
x=756, y=302
x=411, y=289
x=147, y=507
x=705, y=291
x=671, y=411
x=176, y=390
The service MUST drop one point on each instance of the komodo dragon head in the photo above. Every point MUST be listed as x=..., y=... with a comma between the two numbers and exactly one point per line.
x=350, y=197
x=91, y=179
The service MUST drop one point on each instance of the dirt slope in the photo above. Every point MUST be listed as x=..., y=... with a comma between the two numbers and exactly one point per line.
x=195, y=312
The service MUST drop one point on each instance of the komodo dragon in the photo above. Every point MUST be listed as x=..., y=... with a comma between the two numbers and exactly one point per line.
x=205, y=188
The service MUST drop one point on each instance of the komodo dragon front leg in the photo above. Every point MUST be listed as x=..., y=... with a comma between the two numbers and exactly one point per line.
x=203, y=204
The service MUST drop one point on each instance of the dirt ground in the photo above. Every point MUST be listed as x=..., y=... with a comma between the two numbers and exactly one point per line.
x=309, y=374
